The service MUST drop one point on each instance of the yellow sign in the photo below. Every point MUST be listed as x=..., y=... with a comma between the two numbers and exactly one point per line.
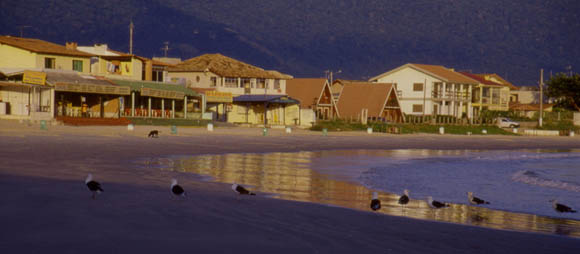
x=34, y=77
x=161, y=93
x=215, y=96
x=87, y=88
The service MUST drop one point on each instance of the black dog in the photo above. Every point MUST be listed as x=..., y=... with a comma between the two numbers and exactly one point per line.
x=153, y=134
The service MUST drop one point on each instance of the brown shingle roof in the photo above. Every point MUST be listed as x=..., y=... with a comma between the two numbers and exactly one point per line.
x=224, y=66
x=40, y=46
x=306, y=90
x=356, y=96
x=437, y=71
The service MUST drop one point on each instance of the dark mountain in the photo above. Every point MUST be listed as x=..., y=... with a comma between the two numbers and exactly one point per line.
x=306, y=37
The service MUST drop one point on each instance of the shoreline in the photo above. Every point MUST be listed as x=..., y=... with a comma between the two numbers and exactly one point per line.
x=44, y=171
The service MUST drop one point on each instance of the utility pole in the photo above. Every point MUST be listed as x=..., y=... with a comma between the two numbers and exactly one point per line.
x=131, y=27
x=541, y=97
x=329, y=73
x=165, y=48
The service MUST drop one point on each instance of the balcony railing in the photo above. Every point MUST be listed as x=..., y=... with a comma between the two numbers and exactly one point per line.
x=451, y=95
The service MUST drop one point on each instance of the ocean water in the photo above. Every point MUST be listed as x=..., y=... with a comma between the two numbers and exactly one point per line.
x=518, y=184
x=515, y=181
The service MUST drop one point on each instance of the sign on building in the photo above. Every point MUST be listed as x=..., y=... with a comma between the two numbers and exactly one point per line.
x=34, y=77
x=215, y=96
x=90, y=88
x=162, y=93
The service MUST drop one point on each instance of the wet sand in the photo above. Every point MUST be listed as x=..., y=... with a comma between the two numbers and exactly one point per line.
x=45, y=206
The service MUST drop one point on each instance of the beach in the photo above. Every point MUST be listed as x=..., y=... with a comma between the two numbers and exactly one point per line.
x=46, y=207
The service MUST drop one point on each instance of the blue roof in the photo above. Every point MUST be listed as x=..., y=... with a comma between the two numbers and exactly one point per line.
x=285, y=99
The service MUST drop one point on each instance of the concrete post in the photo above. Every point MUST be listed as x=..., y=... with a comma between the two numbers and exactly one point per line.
x=149, y=108
x=162, y=108
x=185, y=107
x=173, y=108
x=132, y=104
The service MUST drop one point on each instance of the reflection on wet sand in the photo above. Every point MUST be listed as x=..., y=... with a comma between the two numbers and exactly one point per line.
x=290, y=176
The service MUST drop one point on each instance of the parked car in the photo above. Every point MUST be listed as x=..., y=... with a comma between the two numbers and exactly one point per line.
x=504, y=122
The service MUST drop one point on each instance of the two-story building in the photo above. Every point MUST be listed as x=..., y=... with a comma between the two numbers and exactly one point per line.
x=224, y=78
x=24, y=93
x=488, y=94
x=430, y=90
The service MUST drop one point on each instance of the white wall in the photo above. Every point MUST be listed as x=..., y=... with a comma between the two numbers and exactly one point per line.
x=405, y=78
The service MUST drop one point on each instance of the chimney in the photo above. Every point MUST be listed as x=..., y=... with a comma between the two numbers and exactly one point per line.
x=71, y=45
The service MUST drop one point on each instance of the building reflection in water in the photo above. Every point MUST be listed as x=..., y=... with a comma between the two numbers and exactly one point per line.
x=291, y=176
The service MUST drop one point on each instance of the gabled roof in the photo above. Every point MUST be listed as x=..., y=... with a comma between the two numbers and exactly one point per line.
x=225, y=67
x=307, y=90
x=480, y=79
x=437, y=71
x=503, y=81
x=40, y=46
x=356, y=96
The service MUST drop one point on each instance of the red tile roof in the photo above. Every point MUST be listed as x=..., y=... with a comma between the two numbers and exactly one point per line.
x=40, y=46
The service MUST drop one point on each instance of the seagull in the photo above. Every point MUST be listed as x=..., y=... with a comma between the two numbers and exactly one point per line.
x=475, y=200
x=403, y=200
x=435, y=204
x=94, y=186
x=241, y=190
x=375, y=202
x=176, y=189
x=561, y=208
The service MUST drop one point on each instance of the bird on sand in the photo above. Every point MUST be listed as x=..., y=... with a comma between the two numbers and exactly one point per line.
x=375, y=202
x=241, y=190
x=93, y=186
x=475, y=200
x=403, y=200
x=561, y=208
x=435, y=204
x=176, y=189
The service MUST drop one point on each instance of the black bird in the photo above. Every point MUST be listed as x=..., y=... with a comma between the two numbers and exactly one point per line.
x=435, y=204
x=241, y=190
x=475, y=200
x=153, y=134
x=561, y=208
x=375, y=202
x=93, y=186
x=403, y=200
x=176, y=189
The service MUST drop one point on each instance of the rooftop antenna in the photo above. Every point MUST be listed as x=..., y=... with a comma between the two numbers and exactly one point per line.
x=131, y=27
x=165, y=48
x=22, y=30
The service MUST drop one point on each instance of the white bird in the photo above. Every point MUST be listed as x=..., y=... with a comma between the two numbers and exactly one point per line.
x=561, y=208
x=475, y=200
x=241, y=190
x=375, y=202
x=403, y=200
x=93, y=186
x=176, y=189
x=435, y=204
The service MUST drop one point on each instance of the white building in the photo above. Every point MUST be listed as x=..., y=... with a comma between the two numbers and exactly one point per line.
x=430, y=90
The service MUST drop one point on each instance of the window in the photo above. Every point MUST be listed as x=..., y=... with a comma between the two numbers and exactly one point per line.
x=417, y=87
x=213, y=82
x=245, y=82
x=231, y=82
x=197, y=78
x=276, y=84
x=417, y=108
x=78, y=65
x=261, y=83
x=49, y=63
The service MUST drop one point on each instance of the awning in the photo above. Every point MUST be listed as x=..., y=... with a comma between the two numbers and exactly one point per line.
x=282, y=99
x=156, y=89
x=91, y=88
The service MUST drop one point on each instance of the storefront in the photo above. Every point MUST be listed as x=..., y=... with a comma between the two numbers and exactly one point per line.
x=268, y=110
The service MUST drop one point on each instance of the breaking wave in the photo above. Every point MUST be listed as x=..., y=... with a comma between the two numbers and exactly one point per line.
x=533, y=178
